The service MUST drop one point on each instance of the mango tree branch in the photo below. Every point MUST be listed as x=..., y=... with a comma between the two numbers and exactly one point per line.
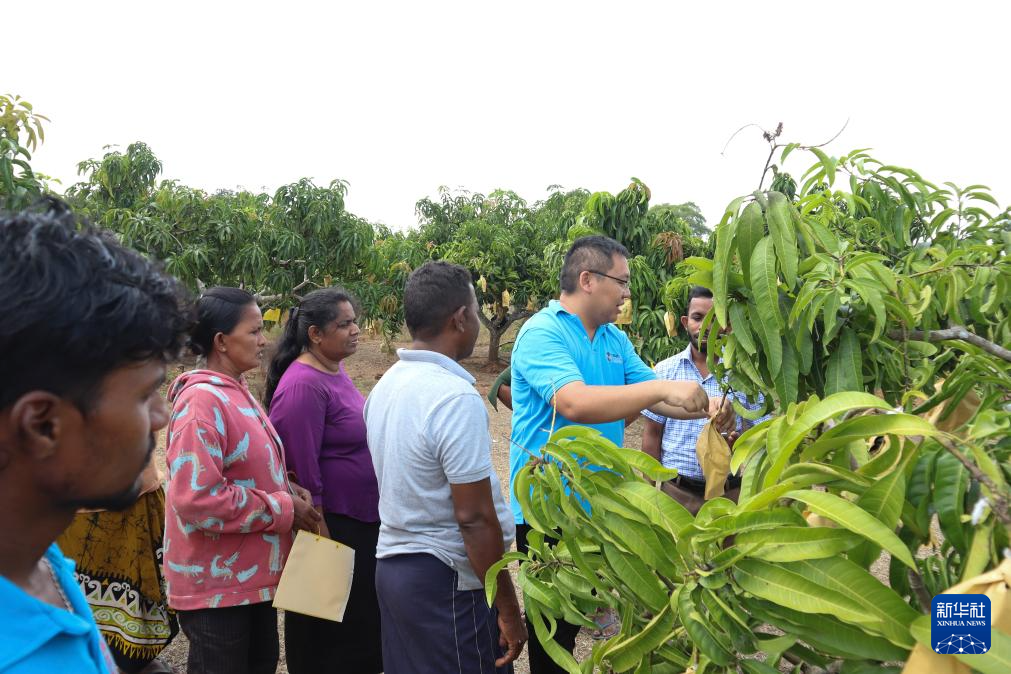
x=955, y=332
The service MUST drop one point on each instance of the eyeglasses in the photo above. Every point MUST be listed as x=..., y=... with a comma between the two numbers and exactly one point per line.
x=620, y=281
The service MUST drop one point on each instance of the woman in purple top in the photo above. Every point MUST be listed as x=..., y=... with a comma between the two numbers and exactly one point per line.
x=317, y=411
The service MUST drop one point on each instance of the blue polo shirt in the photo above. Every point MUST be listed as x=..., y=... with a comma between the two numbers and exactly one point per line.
x=38, y=638
x=552, y=349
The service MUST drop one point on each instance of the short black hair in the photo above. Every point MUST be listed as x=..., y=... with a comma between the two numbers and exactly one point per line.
x=79, y=305
x=433, y=292
x=219, y=309
x=697, y=291
x=588, y=253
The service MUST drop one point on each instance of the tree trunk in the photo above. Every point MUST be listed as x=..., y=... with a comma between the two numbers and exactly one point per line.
x=494, y=339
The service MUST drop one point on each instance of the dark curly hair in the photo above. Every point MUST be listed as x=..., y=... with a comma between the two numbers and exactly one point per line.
x=78, y=305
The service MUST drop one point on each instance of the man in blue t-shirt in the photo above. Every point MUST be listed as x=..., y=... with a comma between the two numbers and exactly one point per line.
x=572, y=365
x=89, y=328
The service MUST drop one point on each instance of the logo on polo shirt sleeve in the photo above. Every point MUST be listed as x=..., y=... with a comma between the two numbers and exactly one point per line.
x=960, y=624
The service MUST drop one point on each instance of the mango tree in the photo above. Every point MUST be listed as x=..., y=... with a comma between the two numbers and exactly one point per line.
x=277, y=246
x=21, y=131
x=657, y=239
x=502, y=240
x=873, y=301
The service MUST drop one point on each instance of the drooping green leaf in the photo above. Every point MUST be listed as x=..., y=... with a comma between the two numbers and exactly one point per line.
x=742, y=327
x=634, y=573
x=884, y=501
x=951, y=481
x=855, y=519
x=750, y=230
x=866, y=428
x=791, y=544
x=826, y=634
x=845, y=365
x=783, y=236
x=706, y=636
x=725, y=233
x=661, y=509
x=842, y=575
x=775, y=583
x=629, y=652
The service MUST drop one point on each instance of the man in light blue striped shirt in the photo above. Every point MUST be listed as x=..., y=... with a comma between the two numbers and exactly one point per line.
x=672, y=441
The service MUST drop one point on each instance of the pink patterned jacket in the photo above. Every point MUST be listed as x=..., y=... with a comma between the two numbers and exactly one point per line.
x=229, y=507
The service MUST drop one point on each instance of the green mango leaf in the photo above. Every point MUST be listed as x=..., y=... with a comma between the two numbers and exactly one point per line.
x=750, y=230
x=765, y=284
x=661, y=509
x=845, y=365
x=951, y=479
x=818, y=412
x=783, y=236
x=866, y=428
x=724, y=234
x=779, y=585
x=791, y=544
x=545, y=636
x=787, y=377
x=706, y=637
x=628, y=653
x=742, y=328
x=636, y=575
x=980, y=551
x=646, y=464
x=641, y=541
x=826, y=634
x=842, y=575
x=538, y=590
x=882, y=500
x=491, y=577
x=855, y=519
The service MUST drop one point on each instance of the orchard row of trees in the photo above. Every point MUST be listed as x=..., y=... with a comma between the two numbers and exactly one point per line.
x=282, y=245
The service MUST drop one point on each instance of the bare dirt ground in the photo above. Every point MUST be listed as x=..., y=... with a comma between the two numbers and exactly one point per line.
x=365, y=369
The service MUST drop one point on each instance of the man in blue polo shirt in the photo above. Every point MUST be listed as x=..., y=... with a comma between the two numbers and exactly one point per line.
x=571, y=356
x=89, y=328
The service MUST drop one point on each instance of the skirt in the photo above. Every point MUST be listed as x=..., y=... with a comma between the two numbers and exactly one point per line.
x=119, y=558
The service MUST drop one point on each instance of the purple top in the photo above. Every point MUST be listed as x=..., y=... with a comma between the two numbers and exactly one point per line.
x=319, y=418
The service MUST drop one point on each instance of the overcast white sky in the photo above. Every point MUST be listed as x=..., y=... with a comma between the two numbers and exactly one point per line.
x=401, y=97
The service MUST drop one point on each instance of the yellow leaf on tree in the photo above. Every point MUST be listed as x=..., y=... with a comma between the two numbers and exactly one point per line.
x=670, y=324
x=714, y=456
x=625, y=315
x=273, y=315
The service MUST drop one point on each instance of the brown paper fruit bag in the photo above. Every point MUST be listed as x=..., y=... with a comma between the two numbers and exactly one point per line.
x=316, y=579
x=714, y=456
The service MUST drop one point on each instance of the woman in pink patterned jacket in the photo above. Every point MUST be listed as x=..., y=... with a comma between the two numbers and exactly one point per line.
x=231, y=510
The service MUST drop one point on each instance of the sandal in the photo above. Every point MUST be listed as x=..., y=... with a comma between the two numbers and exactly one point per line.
x=608, y=624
